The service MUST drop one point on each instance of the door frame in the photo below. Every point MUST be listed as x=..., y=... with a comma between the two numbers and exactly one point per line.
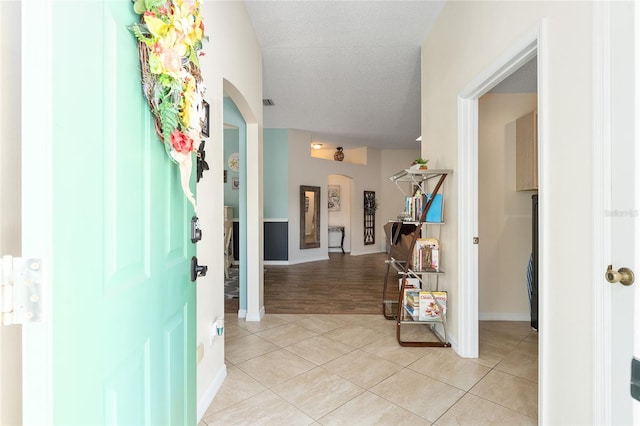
x=37, y=208
x=521, y=52
x=601, y=183
x=254, y=206
x=602, y=147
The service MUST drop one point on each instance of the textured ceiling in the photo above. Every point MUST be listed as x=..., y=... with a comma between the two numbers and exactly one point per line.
x=346, y=71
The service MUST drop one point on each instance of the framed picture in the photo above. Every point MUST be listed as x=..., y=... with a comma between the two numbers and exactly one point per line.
x=225, y=176
x=205, y=118
x=235, y=182
x=333, y=197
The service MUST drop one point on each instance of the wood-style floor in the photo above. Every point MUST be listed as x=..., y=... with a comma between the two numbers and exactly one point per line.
x=344, y=284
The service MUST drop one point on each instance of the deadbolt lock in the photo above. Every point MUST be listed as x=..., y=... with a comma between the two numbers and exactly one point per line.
x=623, y=275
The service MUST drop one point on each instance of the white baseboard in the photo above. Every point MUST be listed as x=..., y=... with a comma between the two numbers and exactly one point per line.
x=276, y=262
x=257, y=317
x=242, y=313
x=373, y=250
x=211, y=392
x=504, y=316
x=453, y=341
x=306, y=260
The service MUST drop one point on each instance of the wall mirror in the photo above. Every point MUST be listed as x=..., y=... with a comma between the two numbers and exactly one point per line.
x=309, y=216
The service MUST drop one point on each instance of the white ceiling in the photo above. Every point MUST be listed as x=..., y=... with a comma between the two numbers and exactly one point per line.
x=346, y=71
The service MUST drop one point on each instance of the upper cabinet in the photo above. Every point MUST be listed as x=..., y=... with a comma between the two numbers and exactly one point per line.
x=527, y=152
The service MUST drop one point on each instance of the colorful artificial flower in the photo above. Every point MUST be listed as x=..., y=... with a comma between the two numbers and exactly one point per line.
x=181, y=142
x=173, y=32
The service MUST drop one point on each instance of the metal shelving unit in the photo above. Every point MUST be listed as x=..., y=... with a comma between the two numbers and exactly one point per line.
x=409, y=182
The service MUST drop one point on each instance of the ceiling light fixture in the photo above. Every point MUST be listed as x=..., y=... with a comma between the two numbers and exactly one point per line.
x=316, y=145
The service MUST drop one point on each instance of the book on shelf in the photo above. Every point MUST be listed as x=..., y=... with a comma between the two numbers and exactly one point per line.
x=414, y=205
x=411, y=312
x=435, y=211
x=426, y=255
x=411, y=302
x=411, y=296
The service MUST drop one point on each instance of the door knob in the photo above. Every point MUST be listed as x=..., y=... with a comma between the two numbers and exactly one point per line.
x=197, y=270
x=623, y=275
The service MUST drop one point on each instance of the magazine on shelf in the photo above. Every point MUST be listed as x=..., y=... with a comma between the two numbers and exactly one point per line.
x=430, y=308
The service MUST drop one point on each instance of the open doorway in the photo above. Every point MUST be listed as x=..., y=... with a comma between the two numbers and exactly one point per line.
x=339, y=196
x=506, y=186
x=507, y=225
x=468, y=233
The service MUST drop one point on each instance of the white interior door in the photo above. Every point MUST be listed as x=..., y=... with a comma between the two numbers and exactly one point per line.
x=620, y=210
x=636, y=119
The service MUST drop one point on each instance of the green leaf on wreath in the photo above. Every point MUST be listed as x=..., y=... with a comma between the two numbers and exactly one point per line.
x=139, y=7
x=139, y=35
x=154, y=4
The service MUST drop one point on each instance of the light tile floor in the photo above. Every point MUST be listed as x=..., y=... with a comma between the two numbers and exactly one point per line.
x=350, y=370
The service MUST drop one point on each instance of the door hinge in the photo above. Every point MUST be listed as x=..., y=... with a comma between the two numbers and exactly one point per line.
x=20, y=290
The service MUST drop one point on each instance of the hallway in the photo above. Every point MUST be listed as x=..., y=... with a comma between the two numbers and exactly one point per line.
x=343, y=284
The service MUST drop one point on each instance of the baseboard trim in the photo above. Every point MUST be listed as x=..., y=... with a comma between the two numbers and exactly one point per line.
x=504, y=316
x=276, y=262
x=242, y=313
x=374, y=250
x=313, y=259
x=256, y=318
x=454, y=342
x=210, y=393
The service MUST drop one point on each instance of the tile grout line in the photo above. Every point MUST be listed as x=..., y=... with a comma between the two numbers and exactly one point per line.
x=403, y=367
x=511, y=350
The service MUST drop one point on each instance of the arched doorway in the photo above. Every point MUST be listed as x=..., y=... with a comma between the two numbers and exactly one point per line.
x=250, y=207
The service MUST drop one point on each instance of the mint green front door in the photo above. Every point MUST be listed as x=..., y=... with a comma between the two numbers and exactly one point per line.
x=122, y=320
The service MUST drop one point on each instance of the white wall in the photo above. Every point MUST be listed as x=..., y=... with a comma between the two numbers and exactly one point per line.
x=341, y=217
x=306, y=170
x=467, y=37
x=504, y=214
x=392, y=199
x=233, y=55
x=10, y=200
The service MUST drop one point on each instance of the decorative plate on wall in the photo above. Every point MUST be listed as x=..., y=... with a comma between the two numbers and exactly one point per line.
x=234, y=162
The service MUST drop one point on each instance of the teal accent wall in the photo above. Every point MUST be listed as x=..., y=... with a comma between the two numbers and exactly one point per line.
x=276, y=173
x=231, y=145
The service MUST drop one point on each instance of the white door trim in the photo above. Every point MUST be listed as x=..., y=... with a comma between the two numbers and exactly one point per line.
x=521, y=52
x=37, y=206
x=601, y=183
x=636, y=24
x=254, y=206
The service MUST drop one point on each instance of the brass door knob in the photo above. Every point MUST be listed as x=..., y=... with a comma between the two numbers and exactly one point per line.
x=623, y=276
